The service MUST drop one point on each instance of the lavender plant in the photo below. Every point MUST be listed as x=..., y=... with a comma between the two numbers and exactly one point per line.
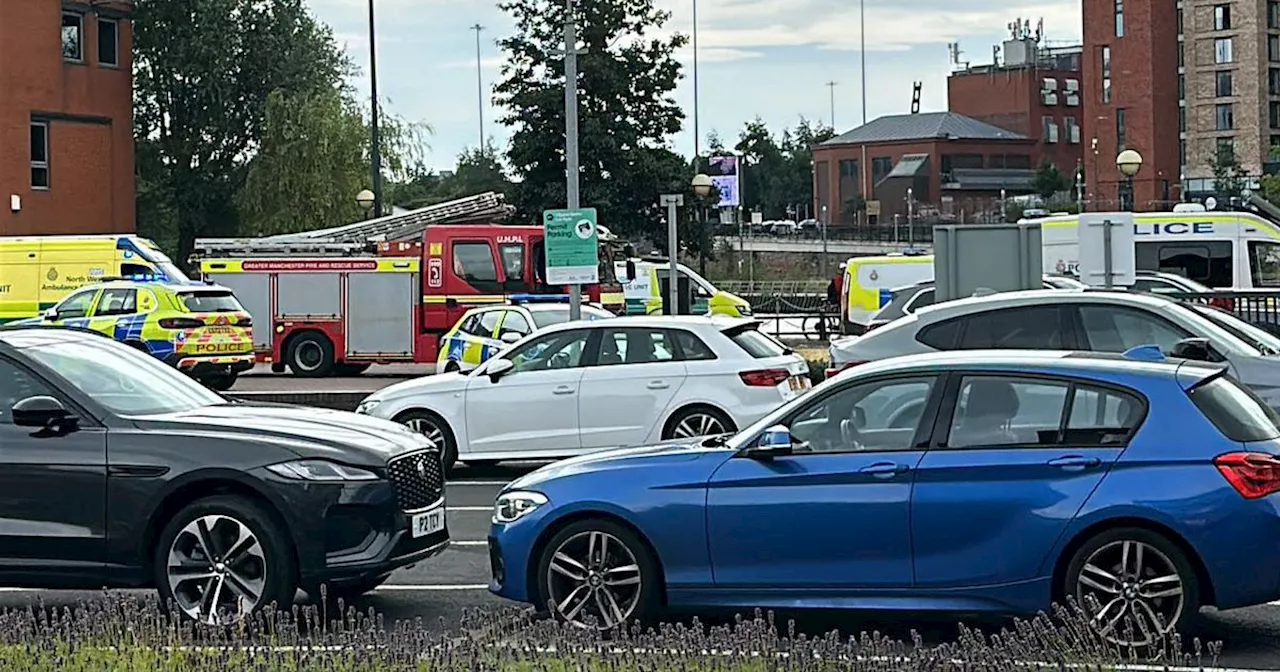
x=121, y=633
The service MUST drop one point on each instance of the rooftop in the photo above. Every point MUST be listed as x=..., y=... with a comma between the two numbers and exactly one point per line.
x=924, y=126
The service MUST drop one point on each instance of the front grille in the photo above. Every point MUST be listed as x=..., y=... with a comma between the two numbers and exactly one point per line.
x=418, y=479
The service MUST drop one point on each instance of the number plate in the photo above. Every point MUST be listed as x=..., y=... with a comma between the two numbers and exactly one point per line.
x=800, y=383
x=427, y=522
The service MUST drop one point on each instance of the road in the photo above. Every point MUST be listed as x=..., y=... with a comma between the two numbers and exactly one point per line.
x=442, y=589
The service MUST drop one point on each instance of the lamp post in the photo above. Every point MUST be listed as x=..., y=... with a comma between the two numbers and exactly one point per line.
x=701, y=185
x=1129, y=162
x=366, y=199
x=375, y=141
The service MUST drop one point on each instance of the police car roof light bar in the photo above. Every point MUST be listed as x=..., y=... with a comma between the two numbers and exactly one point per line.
x=517, y=299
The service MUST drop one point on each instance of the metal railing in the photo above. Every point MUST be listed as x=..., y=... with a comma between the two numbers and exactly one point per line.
x=1259, y=307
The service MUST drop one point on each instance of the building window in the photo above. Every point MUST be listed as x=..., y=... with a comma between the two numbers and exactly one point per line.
x=1182, y=87
x=1222, y=52
x=73, y=37
x=39, y=155
x=1274, y=114
x=1181, y=57
x=1120, y=127
x=1119, y=18
x=1221, y=17
x=1050, y=129
x=1273, y=81
x=1182, y=120
x=1106, y=74
x=1179, y=20
x=1226, y=150
x=1182, y=152
x=1273, y=14
x=1273, y=48
x=108, y=42
x=1223, y=83
x=1224, y=117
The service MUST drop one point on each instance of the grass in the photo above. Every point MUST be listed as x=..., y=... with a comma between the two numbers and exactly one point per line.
x=126, y=634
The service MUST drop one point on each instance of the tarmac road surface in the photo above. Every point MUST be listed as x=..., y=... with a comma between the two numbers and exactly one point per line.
x=439, y=591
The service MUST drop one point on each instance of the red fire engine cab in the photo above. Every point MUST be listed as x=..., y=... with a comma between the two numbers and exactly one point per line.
x=322, y=307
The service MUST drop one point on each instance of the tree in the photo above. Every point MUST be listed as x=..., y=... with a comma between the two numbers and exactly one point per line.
x=1048, y=181
x=477, y=171
x=627, y=109
x=314, y=157
x=203, y=72
x=1228, y=177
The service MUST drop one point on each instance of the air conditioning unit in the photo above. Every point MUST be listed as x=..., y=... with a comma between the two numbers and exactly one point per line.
x=1049, y=91
x=1071, y=92
x=1073, y=134
x=1051, y=132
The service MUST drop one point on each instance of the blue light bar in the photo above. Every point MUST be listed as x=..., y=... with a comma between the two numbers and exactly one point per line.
x=538, y=298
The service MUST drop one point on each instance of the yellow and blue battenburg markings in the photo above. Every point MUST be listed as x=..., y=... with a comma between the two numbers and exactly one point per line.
x=469, y=350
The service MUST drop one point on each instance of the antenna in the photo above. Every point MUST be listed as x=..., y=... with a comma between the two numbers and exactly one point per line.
x=1040, y=30
x=915, y=97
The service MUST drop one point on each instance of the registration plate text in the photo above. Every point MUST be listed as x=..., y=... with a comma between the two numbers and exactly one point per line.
x=427, y=522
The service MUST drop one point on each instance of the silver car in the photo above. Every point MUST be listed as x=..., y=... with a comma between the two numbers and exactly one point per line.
x=1090, y=320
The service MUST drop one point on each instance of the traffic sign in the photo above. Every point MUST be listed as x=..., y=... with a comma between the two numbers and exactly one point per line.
x=572, y=247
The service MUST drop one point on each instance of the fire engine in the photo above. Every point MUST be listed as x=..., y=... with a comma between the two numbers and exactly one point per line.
x=384, y=291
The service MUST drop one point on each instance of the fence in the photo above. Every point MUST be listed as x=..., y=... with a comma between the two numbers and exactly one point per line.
x=1261, y=308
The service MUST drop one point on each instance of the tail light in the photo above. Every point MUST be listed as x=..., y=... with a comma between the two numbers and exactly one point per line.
x=765, y=377
x=245, y=322
x=1253, y=475
x=181, y=323
x=831, y=372
x=1225, y=304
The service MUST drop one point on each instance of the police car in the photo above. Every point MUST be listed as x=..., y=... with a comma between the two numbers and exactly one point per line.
x=199, y=328
x=484, y=332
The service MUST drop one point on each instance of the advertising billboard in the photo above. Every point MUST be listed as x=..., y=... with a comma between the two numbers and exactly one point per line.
x=723, y=171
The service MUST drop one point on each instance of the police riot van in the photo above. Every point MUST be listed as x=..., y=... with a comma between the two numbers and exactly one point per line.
x=1224, y=250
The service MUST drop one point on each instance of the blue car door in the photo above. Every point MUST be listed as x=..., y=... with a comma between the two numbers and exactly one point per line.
x=1014, y=458
x=835, y=513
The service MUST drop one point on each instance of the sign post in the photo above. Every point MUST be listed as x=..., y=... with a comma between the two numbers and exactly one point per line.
x=572, y=251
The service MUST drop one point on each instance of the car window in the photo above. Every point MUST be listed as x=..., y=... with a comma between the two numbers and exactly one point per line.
x=1236, y=411
x=1031, y=327
x=756, y=344
x=77, y=305
x=514, y=321
x=470, y=324
x=998, y=411
x=1116, y=329
x=545, y=317
x=691, y=347
x=473, y=264
x=561, y=350
x=919, y=301
x=876, y=416
x=1153, y=285
x=117, y=301
x=210, y=302
x=512, y=255
x=17, y=384
x=635, y=346
x=1101, y=417
x=489, y=322
x=940, y=336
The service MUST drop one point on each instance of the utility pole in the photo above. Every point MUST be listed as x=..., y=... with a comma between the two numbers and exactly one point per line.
x=375, y=153
x=697, y=141
x=479, y=86
x=832, y=86
x=862, y=51
x=571, y=134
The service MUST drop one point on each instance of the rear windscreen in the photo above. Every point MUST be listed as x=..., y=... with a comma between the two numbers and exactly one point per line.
x=210, y=302
x=758, y=345
x=1236, y=411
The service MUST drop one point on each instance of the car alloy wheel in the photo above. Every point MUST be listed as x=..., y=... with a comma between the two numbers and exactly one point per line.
x=698, y=423
x=1133, y=592
x=427, y=428
x=217, y=570
x=593, y=575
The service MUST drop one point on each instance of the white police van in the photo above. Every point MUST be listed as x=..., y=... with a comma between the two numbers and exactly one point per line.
x=1224, y=250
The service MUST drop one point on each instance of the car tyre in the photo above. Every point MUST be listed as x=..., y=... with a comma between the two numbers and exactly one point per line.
x=435, y=428
x=350, y=369
x=1130, y=573
x=452, y=367
x=311, y=355
x=220, y=383
x=687, y=423
x=250, y=556
x=597, y=567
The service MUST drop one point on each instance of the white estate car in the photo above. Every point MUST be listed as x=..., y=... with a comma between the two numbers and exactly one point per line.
x=578, y=387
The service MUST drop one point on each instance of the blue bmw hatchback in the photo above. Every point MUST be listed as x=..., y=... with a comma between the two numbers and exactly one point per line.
x=970, y=482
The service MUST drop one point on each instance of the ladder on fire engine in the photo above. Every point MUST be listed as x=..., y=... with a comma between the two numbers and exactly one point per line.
x=408, y=226
x=266, y=247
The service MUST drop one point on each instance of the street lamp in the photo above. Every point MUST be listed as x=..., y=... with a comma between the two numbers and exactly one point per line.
x=701, y=185
x=365, y=198
x=1129, y=162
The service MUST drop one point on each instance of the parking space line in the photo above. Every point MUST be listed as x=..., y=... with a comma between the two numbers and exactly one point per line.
x=408, y=587
x=468, y=543
x=485, y=509
x=485, y=483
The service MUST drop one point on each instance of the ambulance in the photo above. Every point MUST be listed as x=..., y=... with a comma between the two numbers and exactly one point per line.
x=36, y=272
x=644, y=293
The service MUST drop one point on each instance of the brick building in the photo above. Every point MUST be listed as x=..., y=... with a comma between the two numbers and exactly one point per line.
x=954, y=166
x=1034, y=91
x=1132, y=57
x=66, y=117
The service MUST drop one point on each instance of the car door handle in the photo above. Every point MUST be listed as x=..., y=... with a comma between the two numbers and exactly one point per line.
x=563, y=389
x=658, y=385
x=1075, y=462
x=884, y=469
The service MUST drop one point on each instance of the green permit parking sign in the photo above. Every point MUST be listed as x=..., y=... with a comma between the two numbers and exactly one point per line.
x=572, y=246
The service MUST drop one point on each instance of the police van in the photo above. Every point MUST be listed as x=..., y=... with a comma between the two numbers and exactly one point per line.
x=1224, y=250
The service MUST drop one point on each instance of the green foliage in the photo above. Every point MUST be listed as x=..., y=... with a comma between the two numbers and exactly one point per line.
x=1228, y=176
x=203, y=73
x=627, y=109
x=477, y=171
x=779, y=171
x=1049, y=181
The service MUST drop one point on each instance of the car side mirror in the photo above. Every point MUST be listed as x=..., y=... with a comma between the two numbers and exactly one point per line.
x=51, y=315
x=42, y=411
x=1193, y=348
x=631, y=270
x=498, y=368
x=774, y=442
x=510, y=337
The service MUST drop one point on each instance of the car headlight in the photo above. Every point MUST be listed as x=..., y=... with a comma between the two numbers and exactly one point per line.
x=744, y=311
x=321, y=470
x=512, y=506
x=366, y=407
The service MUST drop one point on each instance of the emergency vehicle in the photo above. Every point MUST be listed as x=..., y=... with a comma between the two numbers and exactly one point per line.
x=484, y=332
x=335, y=303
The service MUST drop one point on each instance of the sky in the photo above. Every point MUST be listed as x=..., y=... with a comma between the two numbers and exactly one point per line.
x=756, y=58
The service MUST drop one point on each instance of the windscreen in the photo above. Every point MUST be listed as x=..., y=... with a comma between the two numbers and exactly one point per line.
x=756, y=344
x=210, y=302
x=545, y=317
x=1236, y=411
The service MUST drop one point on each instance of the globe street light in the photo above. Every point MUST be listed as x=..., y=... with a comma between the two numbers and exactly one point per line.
x=365, y=198
x=1129, y=162
x=701, y=184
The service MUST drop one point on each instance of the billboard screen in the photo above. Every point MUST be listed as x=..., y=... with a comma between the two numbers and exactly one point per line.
x=723, y=171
